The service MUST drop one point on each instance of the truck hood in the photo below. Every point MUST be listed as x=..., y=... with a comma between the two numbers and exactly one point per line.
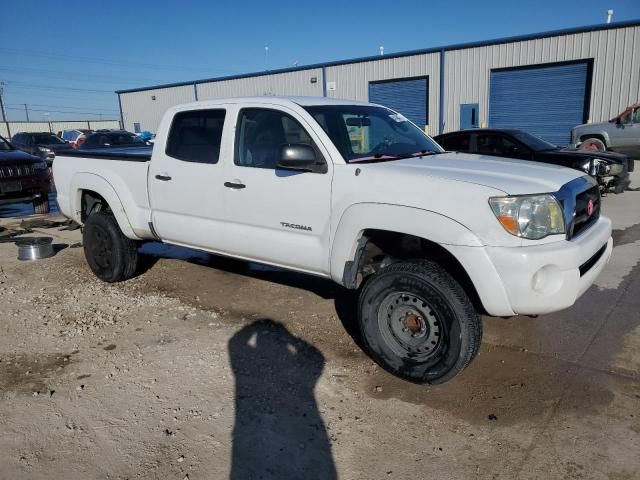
x=511, y=176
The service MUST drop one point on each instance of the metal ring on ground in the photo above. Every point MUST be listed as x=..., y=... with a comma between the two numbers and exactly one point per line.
x=35, y=248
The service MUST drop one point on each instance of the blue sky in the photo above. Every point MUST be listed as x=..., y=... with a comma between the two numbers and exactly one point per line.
x=67, y=57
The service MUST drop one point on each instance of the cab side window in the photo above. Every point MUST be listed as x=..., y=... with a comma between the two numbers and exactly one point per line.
x=636, y=115
x=261, y=134
x=457, y=143
x=495, y=145
x=196, y=136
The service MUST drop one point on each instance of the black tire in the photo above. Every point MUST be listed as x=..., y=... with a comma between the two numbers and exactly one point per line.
x=41, y=204
x=593, y=144
x=110, y=255
x=418, y=323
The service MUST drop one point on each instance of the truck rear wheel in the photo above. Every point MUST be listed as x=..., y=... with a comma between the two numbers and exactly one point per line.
x=418, y=323
x=111, y=256
x=41, y=204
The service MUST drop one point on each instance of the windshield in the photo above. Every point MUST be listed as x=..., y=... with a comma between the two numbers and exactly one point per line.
x=4, y=145
x=47, y=139
x=533, y=142
x=367, y=133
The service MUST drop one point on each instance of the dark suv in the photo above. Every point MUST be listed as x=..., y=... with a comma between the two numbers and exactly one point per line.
x=43, y=144
x=23, y=178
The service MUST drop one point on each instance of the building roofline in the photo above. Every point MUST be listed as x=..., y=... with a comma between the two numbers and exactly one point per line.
x=407, y=53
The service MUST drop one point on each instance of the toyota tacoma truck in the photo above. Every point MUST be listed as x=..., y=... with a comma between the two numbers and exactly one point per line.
x=355, y=193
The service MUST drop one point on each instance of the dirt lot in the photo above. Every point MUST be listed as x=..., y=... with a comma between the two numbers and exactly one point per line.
x=203, y=367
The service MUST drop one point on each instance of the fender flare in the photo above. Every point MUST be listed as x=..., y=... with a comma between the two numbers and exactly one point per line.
x=95, y=183
x=421, y=223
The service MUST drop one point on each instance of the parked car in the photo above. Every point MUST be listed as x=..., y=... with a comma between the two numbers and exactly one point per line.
x=611, y=170
x=620, y=134
x=112, y=138
x=429, y=238
x=71, y=136
x=43, y=144
x=23, y=178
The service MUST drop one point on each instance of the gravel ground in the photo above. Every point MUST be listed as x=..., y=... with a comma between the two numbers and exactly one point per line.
x=203, y=367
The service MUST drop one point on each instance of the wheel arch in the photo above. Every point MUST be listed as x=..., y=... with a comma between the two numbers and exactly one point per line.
x=371, y=236
x=89, y=190
x=600, y=136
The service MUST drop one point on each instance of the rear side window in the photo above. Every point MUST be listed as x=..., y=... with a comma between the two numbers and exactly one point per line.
x=196, y=136
x=456, y=143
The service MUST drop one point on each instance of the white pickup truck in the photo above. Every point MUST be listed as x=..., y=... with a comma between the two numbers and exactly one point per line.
x=356, y=193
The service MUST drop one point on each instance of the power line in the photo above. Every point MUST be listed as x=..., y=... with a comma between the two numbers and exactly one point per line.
x=72, y=75
x=61, y=111
x=51, y=106
x=15, y=84
x=102, y=61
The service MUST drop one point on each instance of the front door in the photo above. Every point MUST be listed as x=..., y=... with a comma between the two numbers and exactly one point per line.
x=627, y=134
x=185, y=180
x=468, y=115
x=274, y=215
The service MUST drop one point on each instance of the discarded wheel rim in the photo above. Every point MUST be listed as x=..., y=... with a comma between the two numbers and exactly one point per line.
x=35, y=248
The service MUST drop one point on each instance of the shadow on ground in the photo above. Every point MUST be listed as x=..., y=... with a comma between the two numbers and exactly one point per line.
x=278, y=431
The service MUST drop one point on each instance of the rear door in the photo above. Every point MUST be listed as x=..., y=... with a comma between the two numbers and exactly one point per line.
x=185, y=179
x=274, y=215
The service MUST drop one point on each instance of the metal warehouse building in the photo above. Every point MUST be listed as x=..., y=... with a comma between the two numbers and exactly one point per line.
x=544, y=83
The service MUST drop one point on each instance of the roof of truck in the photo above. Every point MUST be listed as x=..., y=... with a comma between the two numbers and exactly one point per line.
x=273, y=100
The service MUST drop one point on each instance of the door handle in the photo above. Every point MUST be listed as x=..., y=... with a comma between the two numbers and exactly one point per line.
x=164, y=177
x=236, y=186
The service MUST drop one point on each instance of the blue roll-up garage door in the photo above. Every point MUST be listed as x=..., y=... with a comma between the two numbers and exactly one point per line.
x=409, y=97
x=547, y=101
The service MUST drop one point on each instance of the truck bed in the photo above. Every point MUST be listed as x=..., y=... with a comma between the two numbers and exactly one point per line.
x=131, y=154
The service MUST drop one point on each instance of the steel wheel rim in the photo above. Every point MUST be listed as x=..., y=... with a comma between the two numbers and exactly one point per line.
x=409, y=326
x=101, y=247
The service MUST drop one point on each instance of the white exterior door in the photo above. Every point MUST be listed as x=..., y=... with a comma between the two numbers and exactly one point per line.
x=185, y=180
x=274, y=215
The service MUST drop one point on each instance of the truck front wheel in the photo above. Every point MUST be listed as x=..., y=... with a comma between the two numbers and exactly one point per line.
x=111, y=256
x=418, y=323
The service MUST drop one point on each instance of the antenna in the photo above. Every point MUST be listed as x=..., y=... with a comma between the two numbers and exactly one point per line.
x=266, y=57
x=609, y=15
x=381, y=49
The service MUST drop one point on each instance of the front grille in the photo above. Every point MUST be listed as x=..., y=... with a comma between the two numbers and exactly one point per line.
x=582, y=220
x=12, y=171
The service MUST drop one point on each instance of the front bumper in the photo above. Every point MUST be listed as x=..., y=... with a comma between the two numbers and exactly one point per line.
x=535, y=280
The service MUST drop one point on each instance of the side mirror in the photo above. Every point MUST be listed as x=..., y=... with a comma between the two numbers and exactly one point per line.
x=299, y=156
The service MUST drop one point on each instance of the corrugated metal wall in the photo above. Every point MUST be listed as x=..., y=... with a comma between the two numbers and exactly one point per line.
x=289, y=83
x=616, y=69
x=139, y=107
x=8, y=129
x=352, y=80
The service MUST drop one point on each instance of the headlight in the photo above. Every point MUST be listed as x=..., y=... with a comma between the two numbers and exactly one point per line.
x=529, y=216
x=45, y=150
x=600, y=168
x=40, y=165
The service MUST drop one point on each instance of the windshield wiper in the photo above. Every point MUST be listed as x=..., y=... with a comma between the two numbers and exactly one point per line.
x=381, y=157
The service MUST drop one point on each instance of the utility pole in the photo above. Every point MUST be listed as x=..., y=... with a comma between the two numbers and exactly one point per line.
x=26, y=111
x=4, y=113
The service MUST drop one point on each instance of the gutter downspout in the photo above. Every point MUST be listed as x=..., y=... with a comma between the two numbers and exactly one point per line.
x=195, y=91
x=441, y=107
x=121, y=116
x=324, y=81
